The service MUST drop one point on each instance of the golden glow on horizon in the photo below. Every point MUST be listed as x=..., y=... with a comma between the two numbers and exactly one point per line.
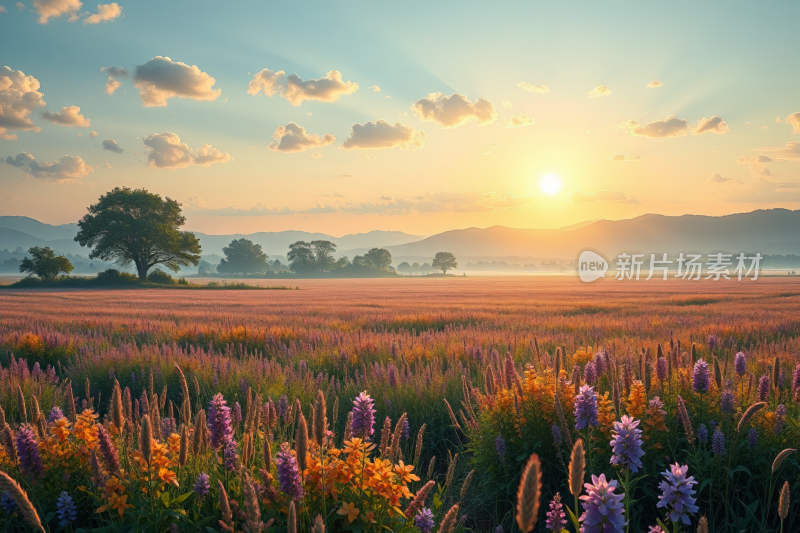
x=550, y=184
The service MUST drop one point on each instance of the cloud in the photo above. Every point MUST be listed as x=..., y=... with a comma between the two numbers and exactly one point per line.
x=196, y=201
x=778, y=120
x=671, y=126
x=293, y=138
x=623, y=157
x=718, y=178
x=519, y=120
x=258, y=209
x=506, y=104
x=19, y=97
x=112, y=146
x=602, y=196
x=114, y=73
x=654, y=84
x=790, y=152
x=20, y=6
x=165, y=150
x=295, y=90
x=714, y=124
x=375, y=89
x=379, y=134
x=599, y=92
x=756, y=164
x=454, y=110
x=540, y=89
x=386, y=198
x=68, y=116
x=365, y=156
x=317, y=155
x=47, y=9
x=764, y=191
x=494, y=144
x=105, y=13
x=92, y=134
x=794, y=120
x=161, y=78
x=3, y=10
x=66, y=169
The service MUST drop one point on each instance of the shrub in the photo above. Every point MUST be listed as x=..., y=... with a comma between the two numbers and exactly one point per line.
x=115, y=277
x=160, y=277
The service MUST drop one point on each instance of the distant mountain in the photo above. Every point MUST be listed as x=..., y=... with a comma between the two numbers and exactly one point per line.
x=771, y=231
x=40, y=230
x=11, y=239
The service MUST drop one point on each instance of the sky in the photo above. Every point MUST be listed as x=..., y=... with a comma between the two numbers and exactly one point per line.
x=416, y=116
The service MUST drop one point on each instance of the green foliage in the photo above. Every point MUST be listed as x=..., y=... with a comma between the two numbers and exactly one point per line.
x=45, y=263
x=316, y=256
x=404, y=268
x=205, y=268
x=444, y=261
x=378, y=258
x=115, y=277
x=161, y=278
x=139, y=227
x=242, y=256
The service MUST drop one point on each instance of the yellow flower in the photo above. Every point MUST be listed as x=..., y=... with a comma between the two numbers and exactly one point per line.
x=350, y=511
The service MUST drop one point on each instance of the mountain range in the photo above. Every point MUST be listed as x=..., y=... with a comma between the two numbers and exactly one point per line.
x=773, y=231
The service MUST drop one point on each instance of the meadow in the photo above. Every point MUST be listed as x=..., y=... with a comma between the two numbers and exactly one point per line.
x=477, y=402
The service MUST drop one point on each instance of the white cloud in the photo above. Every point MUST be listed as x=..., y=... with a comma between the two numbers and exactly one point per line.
x=317, y=155
x=112, y=146
x=599, y=92
x=454, y=110
x=326, y=89
x=66, y=169
x=602, y=196
x=196, y=201
x=114, y=73
x=47, y=9
x=165, y=150
x=68, y=116
x=654, y=84
x=3, y=9
x=623, y=157
x=789, y=152
x=540, y=89
x=671, y=126
x=519, y=120
x=20, y=6
x=778, y=120
x=794, y=120
x=714, y=124
x=161, y=78
x=756, y=164
x=506, y=104
x=380, y=134
x=764, y=191
x=293, y=138
x=718, y=178
x=105, y=13
x=19, y=97
x=375, y=89
x=92, y=134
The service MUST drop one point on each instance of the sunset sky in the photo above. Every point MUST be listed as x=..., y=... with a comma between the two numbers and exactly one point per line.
x=413, y=116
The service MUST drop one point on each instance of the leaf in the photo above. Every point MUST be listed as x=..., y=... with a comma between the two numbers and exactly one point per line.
x=165, y=498
x=662, y=524
x=706, y=482
x=182, y=497
x=573, y=518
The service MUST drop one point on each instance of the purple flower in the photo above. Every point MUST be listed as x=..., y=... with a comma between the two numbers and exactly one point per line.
x=585, y=408
x=780, y=415
x=627, y=444
x=700, y=376
x=604, y=511
x=796, y=380
x=728, y=402
x=424, y=520
x=237, y=415
x=599, y=362
x=676, y=494
x=557, y=436
x=763, y=388
x=107, y=449
x=166, y=427
x=283, y=406
x=661, y=368
x=30, y=463
x=556, y=519
x=219, y=421
x=231, y=457
x=702, y=434
x=740, y=364
x=7, y=502
x=363, y=416
x=406, y=431
x=500, y=447
x=67, y=513
x=202, y=485
x=752, y=438
x=718, y=443
x=685, y=420
x=712, y=343
x=392, y=376
x=589, y=373
x=289, y=474
x=55, y=414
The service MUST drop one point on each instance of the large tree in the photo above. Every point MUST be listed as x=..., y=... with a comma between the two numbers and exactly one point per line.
x=243, y=256
x=316, y=256
x=379, y=258
x=444, y=261
x=45, y=263
x=136, y=226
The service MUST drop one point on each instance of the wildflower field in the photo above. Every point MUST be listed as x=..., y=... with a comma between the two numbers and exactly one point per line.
x=414, y=405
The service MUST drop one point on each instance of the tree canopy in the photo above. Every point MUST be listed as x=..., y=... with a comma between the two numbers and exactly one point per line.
x=404, y=268
x=45, y=264
x=136, y=226
x=444, y=261
x=245, y=257
x=379, y=258
x=316, y=256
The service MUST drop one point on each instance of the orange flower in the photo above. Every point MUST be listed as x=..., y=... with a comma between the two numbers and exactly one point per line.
x=116, y=501
x=369, y=516
x=167, y=476
x=636, y=400
x=404, y=471
x=350, y=511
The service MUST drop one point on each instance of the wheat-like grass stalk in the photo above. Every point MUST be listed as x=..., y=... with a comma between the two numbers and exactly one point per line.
x=748, y=415
x=465, y=486
x=448, y=524
x=398, y=431
x=783, y=502
x=23, y=413
x=577, y=468
x=418, y=444
x=183, y=447
x=529, y=494
x=145, y=439
x=320, y=422
x=776, y=464
x=224, y=507
x=702, y=525
x=20, y=497
x=301, y=442
x=186, y=406
x=291, y=520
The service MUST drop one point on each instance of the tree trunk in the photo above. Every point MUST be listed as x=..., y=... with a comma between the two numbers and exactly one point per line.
x=142, y=269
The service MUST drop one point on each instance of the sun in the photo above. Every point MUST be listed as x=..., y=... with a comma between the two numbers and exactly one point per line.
x=550, y=184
